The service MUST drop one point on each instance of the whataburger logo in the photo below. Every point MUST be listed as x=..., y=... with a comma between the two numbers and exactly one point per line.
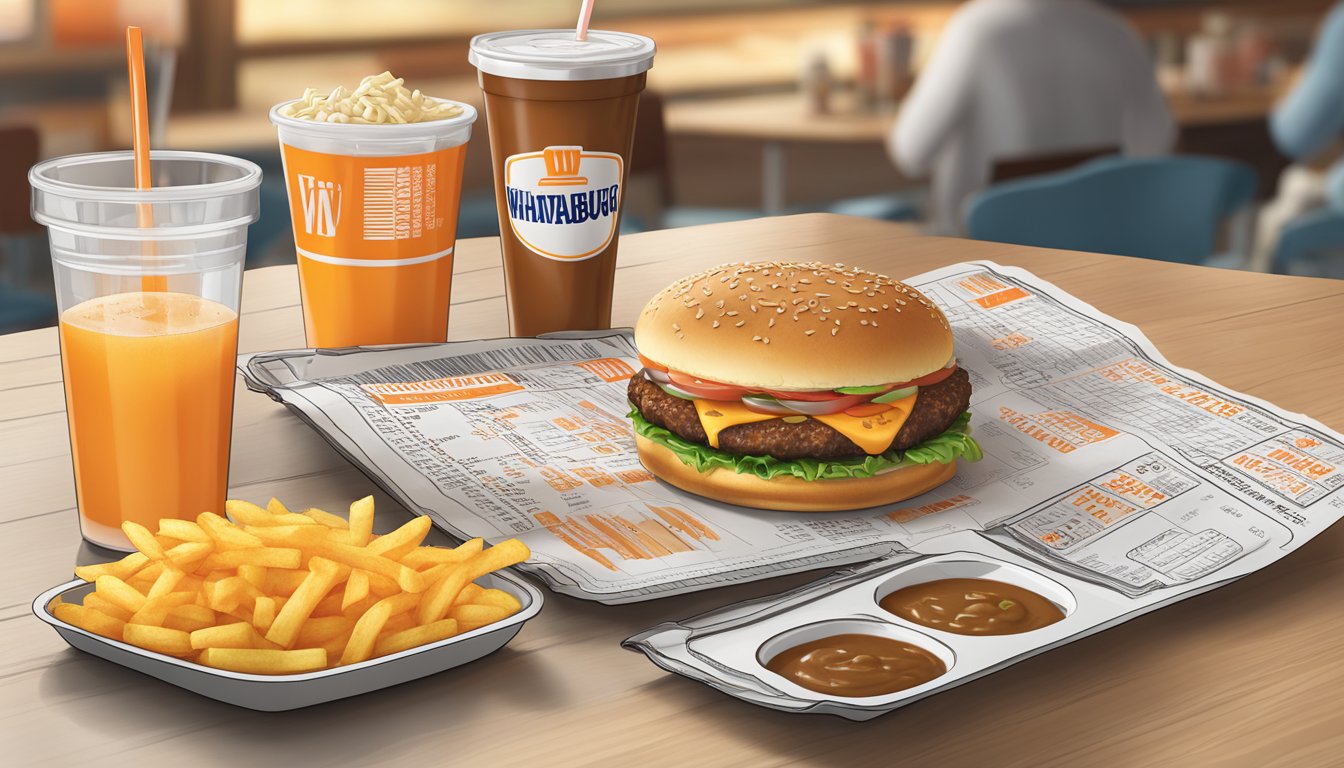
x=563, y=201
x=321, y=205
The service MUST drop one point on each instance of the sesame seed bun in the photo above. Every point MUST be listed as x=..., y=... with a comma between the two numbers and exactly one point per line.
x=792, y=494
x=794, y=326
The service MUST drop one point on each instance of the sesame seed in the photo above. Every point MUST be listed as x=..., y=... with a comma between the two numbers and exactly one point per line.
x=715, y=325
x=755, y=338
x=810, y=331
x=863, y=322
x=754, y=309
x=766, y=340
x=834, y=331
x=676, y=327
x=771, y=324
x=699, y=312
x=731, y=313
x=874, y=323
x=740, y=323
x=823, y=295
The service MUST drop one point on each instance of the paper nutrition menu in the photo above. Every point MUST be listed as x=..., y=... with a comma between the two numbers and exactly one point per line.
x=1102, y=460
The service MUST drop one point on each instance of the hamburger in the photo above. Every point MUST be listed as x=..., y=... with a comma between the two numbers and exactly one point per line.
x=798, y=386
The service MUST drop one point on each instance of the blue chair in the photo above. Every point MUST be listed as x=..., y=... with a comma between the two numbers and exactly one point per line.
x=22, y=310
x=1164, y=208
x=1312, y=245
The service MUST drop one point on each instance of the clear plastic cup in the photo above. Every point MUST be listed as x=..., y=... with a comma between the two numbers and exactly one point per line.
x=375, y=224
x=148, y=285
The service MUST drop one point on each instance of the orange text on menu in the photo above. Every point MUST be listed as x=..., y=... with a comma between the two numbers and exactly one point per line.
x=149, y=383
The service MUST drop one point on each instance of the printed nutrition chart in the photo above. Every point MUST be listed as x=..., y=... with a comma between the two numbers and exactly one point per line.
x=1102, y=460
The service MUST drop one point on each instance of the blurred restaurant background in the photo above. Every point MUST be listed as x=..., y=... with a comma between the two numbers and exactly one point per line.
x=1027, y=121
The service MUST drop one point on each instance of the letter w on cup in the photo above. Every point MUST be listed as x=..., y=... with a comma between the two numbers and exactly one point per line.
x=562, y=167
x=321, y=206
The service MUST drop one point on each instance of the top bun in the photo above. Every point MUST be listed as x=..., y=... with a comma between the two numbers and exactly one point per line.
x=795, y=326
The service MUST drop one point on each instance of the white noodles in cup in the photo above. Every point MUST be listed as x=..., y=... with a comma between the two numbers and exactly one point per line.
x=379, y=99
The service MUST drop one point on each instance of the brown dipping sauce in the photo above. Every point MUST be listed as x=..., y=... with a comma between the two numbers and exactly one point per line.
x=856, y=665
x=972, y=607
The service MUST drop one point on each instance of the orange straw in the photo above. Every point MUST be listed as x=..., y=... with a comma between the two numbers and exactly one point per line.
x=585, y=16
x=135, y=68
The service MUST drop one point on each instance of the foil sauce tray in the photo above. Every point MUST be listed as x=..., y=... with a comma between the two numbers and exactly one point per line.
x=728, y=649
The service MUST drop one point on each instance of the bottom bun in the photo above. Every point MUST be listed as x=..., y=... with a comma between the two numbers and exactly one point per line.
x=789, y=493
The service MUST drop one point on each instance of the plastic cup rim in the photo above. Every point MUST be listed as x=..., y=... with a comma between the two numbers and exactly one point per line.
x=104, y=232
x=391, y=131
x=249, y=181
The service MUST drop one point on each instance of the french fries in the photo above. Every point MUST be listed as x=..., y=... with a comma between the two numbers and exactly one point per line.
x=271, y=591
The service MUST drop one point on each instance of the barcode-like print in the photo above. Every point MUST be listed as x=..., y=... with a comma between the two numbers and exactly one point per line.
x=479, y=362
x=380, y=203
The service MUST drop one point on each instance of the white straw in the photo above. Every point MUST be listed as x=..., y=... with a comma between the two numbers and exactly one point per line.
x=585, y=16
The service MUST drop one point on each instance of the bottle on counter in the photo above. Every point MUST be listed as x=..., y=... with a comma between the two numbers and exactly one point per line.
x=865, y=74
x=894, y=56
x=817, y=83
x=1211, y=62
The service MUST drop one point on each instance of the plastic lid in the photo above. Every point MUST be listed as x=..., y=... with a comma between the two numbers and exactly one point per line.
x=554, y=54
x=194, y=193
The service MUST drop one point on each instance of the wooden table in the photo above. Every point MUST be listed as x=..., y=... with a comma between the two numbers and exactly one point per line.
x=1249, y=674
x=777, y=120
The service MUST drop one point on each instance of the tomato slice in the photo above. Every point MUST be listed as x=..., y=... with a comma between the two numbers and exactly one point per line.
x=809, y=397
x=925, y=381
x=713, y=390
x=709, y=390
x=650, y=364
x=868, y=409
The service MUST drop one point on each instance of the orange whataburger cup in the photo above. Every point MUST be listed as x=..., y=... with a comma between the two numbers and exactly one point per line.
x=375, y=223
x=148, y=328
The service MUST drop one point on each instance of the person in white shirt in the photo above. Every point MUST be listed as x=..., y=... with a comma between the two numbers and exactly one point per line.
x=1012, y=79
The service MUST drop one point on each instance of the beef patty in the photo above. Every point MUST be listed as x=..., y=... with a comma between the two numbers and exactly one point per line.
x=936, y=408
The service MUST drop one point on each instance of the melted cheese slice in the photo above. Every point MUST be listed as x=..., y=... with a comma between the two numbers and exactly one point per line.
x=873, y=434
x=718, y=415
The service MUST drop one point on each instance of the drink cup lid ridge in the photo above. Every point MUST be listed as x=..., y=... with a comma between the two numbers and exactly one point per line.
x=555, y=54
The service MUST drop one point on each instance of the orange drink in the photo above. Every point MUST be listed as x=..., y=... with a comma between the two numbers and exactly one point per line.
x=149, y=393
x=149, y=281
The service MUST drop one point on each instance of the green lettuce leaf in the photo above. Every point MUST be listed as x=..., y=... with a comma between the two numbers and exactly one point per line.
x=955, y=443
